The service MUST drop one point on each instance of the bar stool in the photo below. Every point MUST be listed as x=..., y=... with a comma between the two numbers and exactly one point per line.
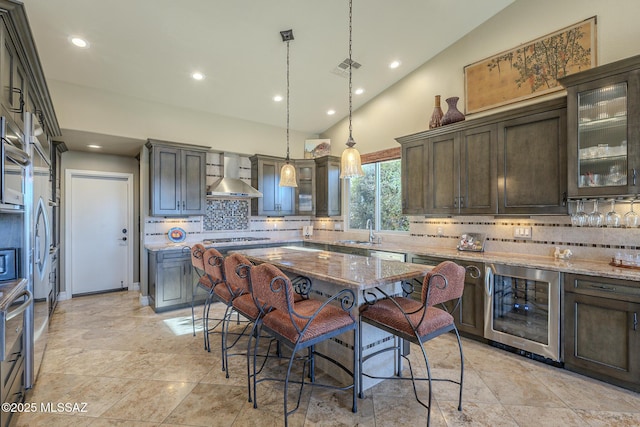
x=300, y=326
x=236, y=267
x=214, y=269
x=418, y=322
x=204, y=282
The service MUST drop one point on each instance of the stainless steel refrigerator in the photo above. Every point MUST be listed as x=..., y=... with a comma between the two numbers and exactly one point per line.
x=39, y=244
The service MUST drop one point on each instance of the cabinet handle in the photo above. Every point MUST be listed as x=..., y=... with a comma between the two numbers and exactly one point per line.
x=635, y=321
x=564, y=199
x=603, y=288
x=184, y=205
x=461, y=202
x=455, y=202
x=633, y=175
x=178, y=205
x=21, y=108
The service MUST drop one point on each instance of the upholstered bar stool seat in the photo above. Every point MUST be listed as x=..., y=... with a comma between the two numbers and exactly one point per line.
x=299, y=326
x=418, y=322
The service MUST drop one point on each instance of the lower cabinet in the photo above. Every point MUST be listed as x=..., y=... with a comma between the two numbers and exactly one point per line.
x=12, y=379
x=171, y=280
x=469, y=316
x=602, y=329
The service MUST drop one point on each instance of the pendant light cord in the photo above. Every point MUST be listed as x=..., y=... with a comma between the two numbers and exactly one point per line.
x=287, y=102
x=350, y=141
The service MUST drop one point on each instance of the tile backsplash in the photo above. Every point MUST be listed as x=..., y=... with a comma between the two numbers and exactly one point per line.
x=230, y=214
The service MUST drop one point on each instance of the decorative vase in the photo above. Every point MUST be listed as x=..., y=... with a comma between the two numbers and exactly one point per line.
x=436, y=117
x=452, y=115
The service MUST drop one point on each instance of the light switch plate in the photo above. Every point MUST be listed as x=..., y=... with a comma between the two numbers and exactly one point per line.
x=523, y=233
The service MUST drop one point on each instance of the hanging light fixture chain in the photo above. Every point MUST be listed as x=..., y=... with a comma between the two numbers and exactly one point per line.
x=350, y=141
x=287, y=101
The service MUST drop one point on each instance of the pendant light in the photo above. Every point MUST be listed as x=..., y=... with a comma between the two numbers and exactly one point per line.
x=351, y=164
x=288, y=171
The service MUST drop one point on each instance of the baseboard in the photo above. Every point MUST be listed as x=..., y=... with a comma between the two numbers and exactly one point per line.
x=63, y=296
x=135, y=286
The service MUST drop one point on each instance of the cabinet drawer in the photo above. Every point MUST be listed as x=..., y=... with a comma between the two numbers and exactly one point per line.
x=607, y=288
x=11, y=363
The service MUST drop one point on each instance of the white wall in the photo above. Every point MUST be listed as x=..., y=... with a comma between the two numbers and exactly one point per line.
x=85, y=109
x=406, y=107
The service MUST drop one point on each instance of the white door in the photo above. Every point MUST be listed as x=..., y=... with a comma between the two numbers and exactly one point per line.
x=99, y=223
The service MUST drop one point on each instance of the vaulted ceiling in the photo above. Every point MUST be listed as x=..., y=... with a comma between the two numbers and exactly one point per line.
x=148, y=49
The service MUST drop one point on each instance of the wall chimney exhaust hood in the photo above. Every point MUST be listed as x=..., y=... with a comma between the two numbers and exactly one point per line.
x=230, y=185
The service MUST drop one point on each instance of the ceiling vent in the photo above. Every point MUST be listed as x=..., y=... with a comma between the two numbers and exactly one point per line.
x=343, y=68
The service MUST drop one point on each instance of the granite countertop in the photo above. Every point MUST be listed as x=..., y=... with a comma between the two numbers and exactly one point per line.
x=9, y=290
x=352, y=271
x=156, y=247
x=588, y=267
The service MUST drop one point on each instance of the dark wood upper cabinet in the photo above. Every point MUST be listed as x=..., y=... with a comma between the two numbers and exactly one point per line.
x=177, y=179
x=532, y=164
x=512, y=162
x=328, y=186
x=414, y=176
x=265, y=176
x=603, y=114
x=462, y=172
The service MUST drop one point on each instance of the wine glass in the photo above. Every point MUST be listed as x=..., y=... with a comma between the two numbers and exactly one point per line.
x=596, y=219
x=613, y=218
x=579, y=218
x=631, y=219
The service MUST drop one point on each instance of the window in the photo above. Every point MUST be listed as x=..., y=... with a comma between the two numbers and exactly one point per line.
x=377, y=196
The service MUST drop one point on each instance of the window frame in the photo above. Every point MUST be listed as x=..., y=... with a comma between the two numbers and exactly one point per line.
x=376, y=160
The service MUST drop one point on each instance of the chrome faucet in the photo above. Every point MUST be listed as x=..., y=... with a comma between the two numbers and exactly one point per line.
x=370, y=227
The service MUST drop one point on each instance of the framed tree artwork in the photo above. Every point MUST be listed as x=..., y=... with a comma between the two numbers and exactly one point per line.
x=531, y=69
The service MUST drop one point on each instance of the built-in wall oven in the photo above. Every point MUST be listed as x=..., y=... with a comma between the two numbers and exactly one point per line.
x=12, y=168
x=522, y=309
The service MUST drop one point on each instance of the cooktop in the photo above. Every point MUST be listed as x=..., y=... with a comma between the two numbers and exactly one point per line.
x=234, y=239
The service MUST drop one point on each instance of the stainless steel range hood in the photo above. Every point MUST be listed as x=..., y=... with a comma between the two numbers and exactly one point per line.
x=231, y=186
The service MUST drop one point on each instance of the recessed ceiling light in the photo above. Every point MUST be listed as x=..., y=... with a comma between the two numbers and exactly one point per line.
x=277, y=98
x=359, y=91
x=331, y=112
x=94, y=146
x=79, y=42
x=394, y=64
x=197, y=76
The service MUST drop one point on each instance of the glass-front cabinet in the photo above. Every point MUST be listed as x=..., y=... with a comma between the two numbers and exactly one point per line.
x=603, y=130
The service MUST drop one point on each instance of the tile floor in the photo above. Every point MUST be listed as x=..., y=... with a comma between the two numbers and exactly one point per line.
x=133, y=367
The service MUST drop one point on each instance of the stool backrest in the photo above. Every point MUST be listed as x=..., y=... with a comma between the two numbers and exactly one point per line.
x=197, y=256
x=444, y=283
x=214, y=265
x=236, y=268
x=271, y=288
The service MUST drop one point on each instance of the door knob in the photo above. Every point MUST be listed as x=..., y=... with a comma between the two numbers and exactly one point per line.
x=124, y=239
x=124, y=230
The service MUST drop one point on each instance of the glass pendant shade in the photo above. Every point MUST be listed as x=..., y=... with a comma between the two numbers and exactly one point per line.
x=351, y=164
x=288, y=176
x=288, y=171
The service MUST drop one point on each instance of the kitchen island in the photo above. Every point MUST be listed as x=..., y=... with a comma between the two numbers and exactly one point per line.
x=331, y=272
